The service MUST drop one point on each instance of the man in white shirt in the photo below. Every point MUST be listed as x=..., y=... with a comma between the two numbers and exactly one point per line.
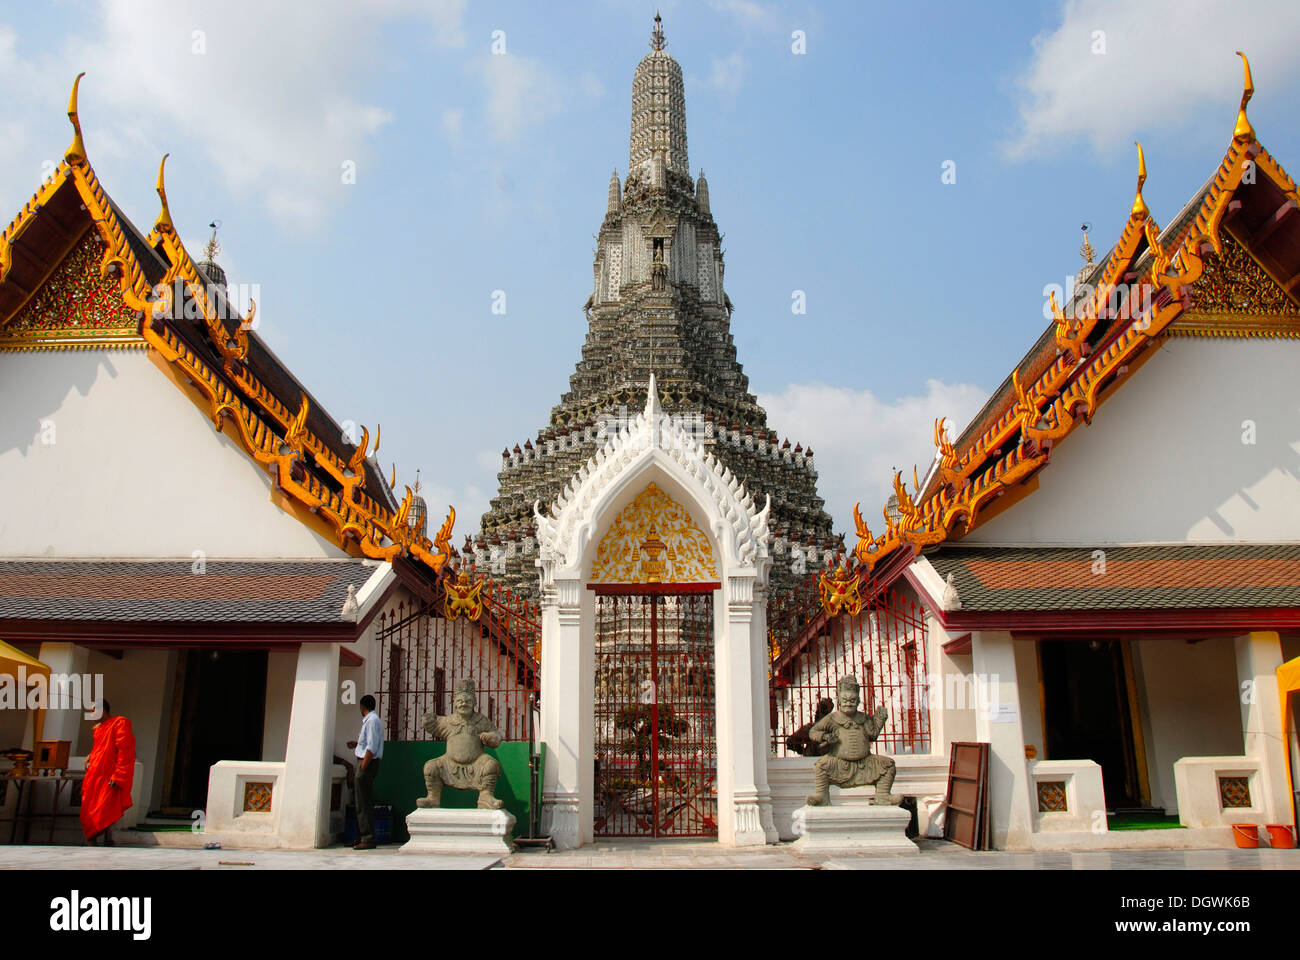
x=370, y=747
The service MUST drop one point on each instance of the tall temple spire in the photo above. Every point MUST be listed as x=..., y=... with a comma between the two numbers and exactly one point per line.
x=658, y=111
x=659, y=329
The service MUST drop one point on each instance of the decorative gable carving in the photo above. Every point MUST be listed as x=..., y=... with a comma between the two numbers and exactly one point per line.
x=1235, y=284
x=653, y=539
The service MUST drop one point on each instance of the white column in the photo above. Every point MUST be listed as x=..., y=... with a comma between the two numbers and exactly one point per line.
x=69, y=660
x=998, y=723
x=740, y=820
x=567, y=716
x=761, y=708
x=305, y=796
x=1258, y=657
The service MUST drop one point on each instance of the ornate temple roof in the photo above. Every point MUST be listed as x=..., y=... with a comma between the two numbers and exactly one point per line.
x=75, y=273
x=1186, y=280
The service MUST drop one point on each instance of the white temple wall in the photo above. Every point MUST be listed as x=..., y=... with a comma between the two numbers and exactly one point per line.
x=1031, y=708
x=1189, y=702
x=281, y=665
x=1164, y=460
x=109, y=459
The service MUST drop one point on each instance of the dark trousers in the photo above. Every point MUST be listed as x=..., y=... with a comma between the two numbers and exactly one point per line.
x=366, y=801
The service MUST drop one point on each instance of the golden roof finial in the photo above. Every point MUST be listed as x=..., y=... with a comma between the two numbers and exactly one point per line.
x=77, y=149
x=1140, y=208
x=164, y=220
x=657, y=41
x=1086, y=250
x=1243, y=130
x=212, y=249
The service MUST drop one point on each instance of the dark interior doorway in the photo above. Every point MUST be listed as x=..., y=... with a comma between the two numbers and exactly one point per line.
x=222, y=708
x=1087, y=713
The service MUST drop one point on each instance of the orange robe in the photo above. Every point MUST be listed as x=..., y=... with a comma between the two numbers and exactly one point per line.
x=111, y=758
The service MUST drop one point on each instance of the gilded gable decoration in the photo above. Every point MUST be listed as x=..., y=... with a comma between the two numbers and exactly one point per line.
x=1235, y=284
x=76, y=307
x=654, y=540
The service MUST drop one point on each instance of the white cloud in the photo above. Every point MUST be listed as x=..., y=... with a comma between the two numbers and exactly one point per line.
x=521, y=92
x=858, y=440
x=750, y=14
x=267, y=96
x=1164, y=62
x=451, y=123
x=728, y=74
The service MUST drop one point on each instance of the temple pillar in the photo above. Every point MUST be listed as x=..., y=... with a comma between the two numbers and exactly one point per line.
x=742, y=749
x=309, y=751
x=999, y=724
x=68, y=660
x=1258, y=657
x=568, y=718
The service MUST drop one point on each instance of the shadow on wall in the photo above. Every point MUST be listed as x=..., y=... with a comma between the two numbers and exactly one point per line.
x=1202, y=445
x=44, y=380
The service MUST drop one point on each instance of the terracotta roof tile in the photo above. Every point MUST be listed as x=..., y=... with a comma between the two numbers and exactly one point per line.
x=227, y=591
x=1094, y=578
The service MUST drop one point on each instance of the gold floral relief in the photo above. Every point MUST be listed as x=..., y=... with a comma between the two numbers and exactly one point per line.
x=653, y=540
x=1236, y=284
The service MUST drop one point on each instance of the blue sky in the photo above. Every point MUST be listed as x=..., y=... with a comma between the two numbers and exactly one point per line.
x=477, y=172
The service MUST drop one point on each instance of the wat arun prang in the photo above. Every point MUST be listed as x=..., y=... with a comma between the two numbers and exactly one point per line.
x=658, y=304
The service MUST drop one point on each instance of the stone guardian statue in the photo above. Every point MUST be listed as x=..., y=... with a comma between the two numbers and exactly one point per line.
x=846, y=735
x=466, y=765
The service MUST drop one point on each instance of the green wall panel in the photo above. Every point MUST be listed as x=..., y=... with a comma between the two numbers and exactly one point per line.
x=401, y=781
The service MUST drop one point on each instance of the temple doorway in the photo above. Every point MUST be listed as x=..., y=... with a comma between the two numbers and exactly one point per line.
x=1089, y=714
x=655, y=712
x=218, y=714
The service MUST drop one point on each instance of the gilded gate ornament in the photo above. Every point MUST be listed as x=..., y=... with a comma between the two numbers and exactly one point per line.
x=463, y=598
x=840, y=593
x=653, y=540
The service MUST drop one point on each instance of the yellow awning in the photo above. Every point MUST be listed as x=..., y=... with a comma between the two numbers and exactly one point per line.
x=1288, y=685
x=11, y=658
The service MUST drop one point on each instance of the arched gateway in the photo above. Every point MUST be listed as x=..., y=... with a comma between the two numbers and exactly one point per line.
x=654, y=565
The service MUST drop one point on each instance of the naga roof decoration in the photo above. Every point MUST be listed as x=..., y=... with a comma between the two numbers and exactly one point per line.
x=340, y=497
x=1141, y=290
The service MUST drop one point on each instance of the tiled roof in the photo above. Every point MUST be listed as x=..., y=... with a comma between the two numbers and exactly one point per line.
x=228, y=591
x=1165, y=577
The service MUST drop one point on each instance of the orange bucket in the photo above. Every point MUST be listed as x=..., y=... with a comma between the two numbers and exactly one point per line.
x=1281, y=836
x=1246, y=835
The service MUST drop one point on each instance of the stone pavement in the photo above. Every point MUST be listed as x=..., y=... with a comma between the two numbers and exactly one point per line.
x=162, y=858
x=636, y=855
x=935, y=855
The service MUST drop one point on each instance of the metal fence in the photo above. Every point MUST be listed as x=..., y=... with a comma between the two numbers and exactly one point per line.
x=424, y=656
x=884, y=647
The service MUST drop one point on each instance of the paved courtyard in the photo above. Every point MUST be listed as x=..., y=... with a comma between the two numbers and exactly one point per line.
x=635, y=855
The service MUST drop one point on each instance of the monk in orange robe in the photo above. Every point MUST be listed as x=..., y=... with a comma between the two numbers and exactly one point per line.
x=110, y=770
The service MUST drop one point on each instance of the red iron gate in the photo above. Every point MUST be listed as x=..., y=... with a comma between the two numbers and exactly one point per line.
x=656, y=736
